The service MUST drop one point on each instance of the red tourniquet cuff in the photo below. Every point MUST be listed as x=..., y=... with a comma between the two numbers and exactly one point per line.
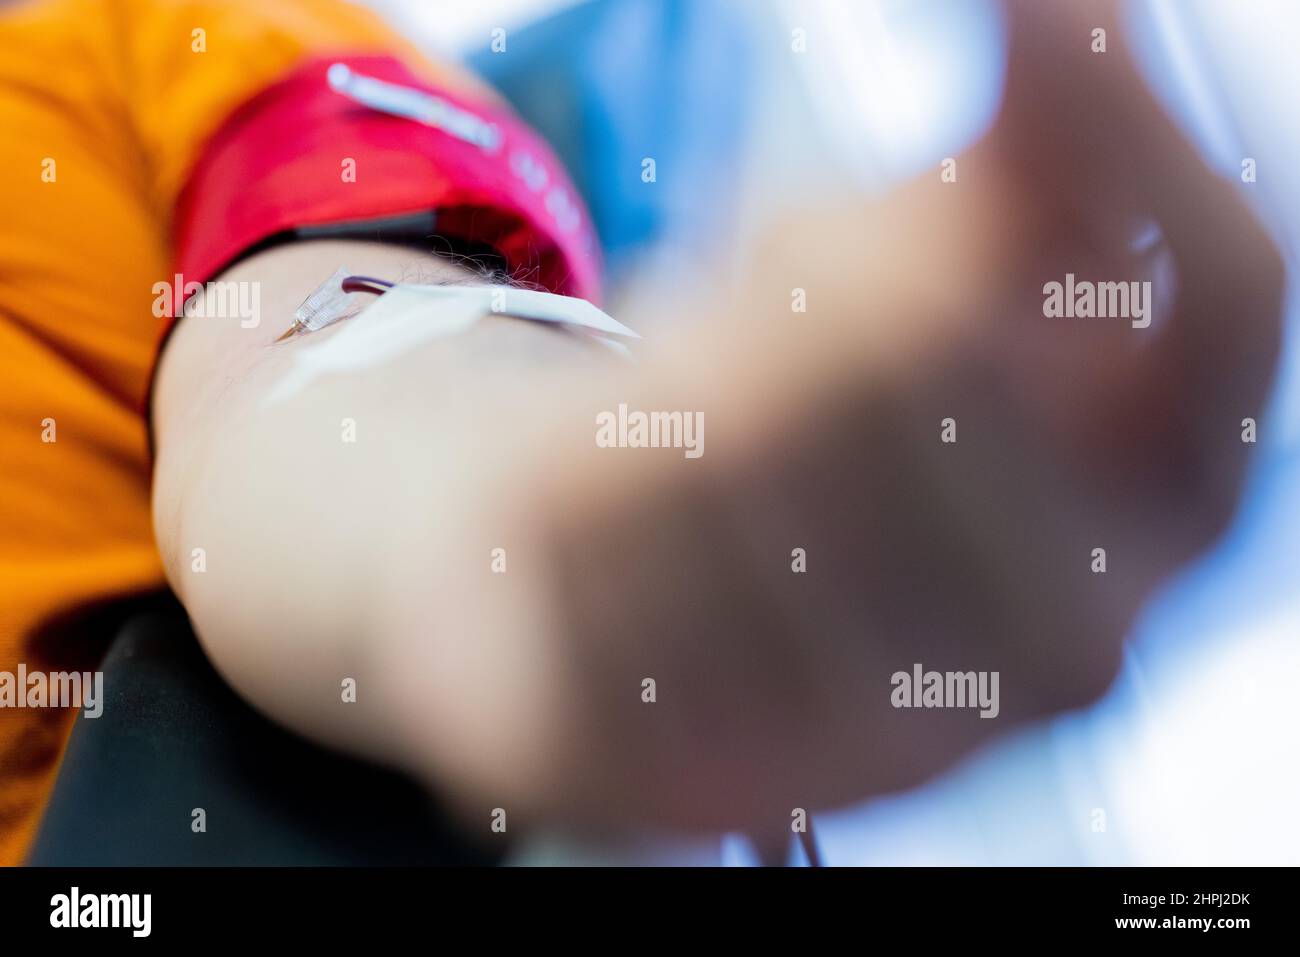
x=278, y=164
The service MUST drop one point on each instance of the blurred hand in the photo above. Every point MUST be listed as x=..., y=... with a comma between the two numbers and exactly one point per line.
x=823, y=432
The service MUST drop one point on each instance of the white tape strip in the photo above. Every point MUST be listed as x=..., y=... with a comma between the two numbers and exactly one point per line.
x=408, y=316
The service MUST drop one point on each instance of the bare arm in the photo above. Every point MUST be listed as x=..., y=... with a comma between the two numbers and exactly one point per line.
x=371, y=560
